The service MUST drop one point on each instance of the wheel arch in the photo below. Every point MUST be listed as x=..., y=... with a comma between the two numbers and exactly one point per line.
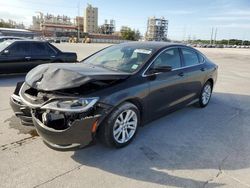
x=135, y=101
x=103, y=124
x=211, y=81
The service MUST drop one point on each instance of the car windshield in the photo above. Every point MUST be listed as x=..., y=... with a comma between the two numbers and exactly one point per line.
x=5, y=44
x=124, y=58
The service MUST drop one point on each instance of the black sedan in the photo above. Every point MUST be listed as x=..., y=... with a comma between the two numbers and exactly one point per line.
x=112, y=92
x=20, y=56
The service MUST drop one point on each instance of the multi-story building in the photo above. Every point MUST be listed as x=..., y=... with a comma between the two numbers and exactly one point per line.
x=36, y=22
x=108, y=27
x=51, y=25
x=91, y=19
x=157, y=29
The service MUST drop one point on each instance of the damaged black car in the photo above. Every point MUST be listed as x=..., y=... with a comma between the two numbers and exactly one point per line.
x=112, y=92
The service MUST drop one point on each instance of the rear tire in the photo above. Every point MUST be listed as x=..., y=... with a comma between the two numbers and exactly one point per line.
x=205, y=95
x=120, y=128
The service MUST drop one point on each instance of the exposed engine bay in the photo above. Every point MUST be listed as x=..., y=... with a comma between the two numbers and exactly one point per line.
x=59, y=119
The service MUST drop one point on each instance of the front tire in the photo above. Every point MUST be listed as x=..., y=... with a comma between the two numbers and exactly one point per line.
x=205, y=95
x=120, y=128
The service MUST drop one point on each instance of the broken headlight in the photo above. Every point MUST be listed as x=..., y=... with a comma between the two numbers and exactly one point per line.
x=71, y=105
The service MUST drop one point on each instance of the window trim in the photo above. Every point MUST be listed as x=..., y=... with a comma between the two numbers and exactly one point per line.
x=181, y=56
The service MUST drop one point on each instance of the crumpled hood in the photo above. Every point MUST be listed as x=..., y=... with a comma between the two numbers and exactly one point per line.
x=56, y=76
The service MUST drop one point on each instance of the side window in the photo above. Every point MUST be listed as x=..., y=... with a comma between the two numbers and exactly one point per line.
x=19, y=49
x=169, y=57
x=190, y=57
x=39, y=48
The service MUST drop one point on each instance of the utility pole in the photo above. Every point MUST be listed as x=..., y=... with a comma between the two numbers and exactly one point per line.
x=212, y=33
x=41, y=21
x=184, y=34
x=215, y=34
x=78, y=23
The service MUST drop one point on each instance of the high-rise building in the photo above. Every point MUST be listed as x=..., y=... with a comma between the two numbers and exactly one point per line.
x=91, y=19
x=157, y=29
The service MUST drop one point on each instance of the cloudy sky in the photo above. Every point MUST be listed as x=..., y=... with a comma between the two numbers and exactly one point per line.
x=187, y=18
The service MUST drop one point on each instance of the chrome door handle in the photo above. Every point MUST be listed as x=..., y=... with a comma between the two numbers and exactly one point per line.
x=27, y=57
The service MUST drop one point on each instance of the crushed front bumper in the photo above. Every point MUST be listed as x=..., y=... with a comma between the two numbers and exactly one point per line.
x=21, y=111
x=60, y=130
x=79, y=134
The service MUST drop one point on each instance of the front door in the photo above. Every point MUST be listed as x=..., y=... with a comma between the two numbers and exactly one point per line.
x=166, y=88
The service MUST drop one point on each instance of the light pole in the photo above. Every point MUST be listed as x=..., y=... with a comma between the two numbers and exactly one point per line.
x=212, y=33
x=78, y=23
x=215, y=35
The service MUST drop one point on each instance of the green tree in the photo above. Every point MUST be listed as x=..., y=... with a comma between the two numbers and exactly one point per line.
x=130, y=34
x=4, y=24
x=137, y=35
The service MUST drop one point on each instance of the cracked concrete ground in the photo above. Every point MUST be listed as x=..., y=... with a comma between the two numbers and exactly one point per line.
x=192, y=147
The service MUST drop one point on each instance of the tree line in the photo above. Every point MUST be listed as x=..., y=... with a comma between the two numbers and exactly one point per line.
x=223, y=42
x=6, y=25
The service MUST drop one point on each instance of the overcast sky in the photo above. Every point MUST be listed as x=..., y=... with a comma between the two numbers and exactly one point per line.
x=187, y=18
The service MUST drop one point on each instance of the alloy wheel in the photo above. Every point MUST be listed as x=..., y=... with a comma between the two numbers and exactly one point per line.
x=206, y=94
x=125, y=126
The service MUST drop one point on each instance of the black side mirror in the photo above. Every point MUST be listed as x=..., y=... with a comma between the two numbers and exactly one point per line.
x=160, y=69
x=6, y=52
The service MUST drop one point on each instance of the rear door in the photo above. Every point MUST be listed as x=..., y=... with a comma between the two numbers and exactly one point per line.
x=17, y=60
x=194, y=69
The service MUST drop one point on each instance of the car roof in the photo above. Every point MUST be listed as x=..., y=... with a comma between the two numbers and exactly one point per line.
x=27, y=40
x=4, y=37
x=151, y=44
